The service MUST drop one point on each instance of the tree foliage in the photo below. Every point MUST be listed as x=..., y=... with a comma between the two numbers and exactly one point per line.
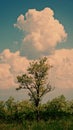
x=36, y=81
x=19, y=111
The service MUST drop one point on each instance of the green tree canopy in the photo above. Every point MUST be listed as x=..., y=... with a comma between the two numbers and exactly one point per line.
x=36, y=80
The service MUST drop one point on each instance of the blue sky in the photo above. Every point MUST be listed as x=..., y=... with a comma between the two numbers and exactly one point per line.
x=11, y=9
x=12, y=49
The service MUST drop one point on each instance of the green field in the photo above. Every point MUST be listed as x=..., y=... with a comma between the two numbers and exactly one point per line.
x=63, y=124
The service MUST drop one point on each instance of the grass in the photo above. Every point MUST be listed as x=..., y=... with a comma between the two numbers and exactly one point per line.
x=63, y=124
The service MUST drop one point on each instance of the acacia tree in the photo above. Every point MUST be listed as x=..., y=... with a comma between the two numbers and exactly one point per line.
x=35, y=80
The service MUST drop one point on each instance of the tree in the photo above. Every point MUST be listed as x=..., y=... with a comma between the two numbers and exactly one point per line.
x=36, y=81
x=10, y=104
x=2, y=110
x=58, y=106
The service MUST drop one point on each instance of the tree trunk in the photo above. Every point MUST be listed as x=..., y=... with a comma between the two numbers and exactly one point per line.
x=37, y=115
x=37, y=110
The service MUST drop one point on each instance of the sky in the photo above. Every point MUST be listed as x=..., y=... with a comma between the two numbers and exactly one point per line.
x=30, y=29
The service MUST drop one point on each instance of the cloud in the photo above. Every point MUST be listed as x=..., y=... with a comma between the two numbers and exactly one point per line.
x=17, y=63
x=11, y=64
x=6, y=78
x=41, y=29
x=61, y=75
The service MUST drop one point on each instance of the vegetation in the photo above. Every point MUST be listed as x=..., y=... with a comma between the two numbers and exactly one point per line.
x=56, y=114
x=36, y=81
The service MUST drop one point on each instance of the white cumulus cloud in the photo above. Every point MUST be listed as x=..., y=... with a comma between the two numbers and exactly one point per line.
x=42, y=30
x=11, y=64
x=6, y=77
x=62, y=73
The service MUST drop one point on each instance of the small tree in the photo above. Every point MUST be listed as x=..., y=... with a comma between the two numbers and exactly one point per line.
x=36, y=81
